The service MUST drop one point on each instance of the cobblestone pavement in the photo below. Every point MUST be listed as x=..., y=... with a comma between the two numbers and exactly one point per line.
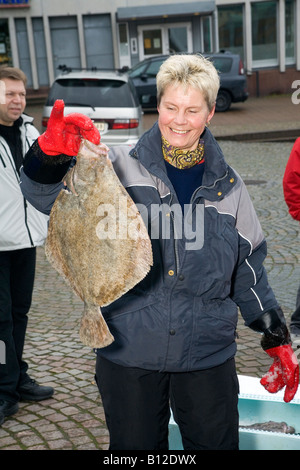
x=74, y=419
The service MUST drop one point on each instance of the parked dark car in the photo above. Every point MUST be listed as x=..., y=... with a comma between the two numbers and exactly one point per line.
x=233, y=82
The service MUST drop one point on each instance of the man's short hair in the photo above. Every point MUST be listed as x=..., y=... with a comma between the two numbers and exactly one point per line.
x=13, y=73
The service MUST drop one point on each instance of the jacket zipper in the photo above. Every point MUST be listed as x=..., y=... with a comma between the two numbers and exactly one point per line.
x=176, y=254
x=3, y=162
x=26, y=222
x=25, y=202
x=10, y=160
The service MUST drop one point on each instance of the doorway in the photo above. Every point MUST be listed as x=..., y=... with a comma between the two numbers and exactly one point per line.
x=164, y=39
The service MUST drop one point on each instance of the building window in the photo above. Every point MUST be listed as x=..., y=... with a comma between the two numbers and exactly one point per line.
x=5, y=51
x=231, y=29
x=178, y=40
x=98, y=41
x=264, y=33
x=290, y=31
x=124, y=51
x=23, y=49
x=152, y=40
x=123, y=37
x=40, y=51
x=206, y=34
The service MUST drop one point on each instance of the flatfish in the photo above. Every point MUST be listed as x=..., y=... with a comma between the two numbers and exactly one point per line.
x=272, y=426
x=97, y=240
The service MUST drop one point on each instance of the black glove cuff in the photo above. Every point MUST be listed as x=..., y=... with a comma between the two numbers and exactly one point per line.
x=272, y=325
x=43, y=168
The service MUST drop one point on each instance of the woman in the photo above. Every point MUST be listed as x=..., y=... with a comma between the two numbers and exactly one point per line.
x=175, y=331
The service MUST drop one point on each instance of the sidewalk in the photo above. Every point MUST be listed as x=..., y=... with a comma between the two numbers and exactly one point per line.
x=74, y=419
x=274, y=117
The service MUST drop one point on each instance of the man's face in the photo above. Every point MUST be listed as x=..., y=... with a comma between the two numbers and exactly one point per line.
x=15, y=101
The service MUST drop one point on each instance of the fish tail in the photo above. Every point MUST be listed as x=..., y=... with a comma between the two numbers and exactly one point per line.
x=94, y=331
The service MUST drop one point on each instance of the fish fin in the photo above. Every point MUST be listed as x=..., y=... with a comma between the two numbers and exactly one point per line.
x=94, y=331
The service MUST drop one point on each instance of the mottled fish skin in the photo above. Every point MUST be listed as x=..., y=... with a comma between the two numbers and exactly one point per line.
x=98, y=269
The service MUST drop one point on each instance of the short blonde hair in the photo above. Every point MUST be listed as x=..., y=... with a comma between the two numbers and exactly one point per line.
x=189, y=70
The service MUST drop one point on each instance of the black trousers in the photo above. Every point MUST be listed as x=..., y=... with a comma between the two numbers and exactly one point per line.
x=17, y=270
x=137, y=406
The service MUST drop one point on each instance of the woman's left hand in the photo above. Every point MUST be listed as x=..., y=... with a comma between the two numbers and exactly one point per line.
x=284, y=372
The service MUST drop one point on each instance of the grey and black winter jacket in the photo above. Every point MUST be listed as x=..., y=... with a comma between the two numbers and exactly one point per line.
x=207, y=264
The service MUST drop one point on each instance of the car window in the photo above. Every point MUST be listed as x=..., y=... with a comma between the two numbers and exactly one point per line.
x=137, y=70
x=150, y=71
x=91, y=92
x=153, y=68
x=222, y=64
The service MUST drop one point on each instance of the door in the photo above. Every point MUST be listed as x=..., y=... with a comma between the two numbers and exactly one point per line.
x=164, y=39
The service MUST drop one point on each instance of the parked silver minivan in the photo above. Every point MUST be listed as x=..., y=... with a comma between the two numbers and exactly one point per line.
x=108, y=97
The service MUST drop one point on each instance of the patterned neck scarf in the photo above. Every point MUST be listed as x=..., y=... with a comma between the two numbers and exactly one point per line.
x=182, y=158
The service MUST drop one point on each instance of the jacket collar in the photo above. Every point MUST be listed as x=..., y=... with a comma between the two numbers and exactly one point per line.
x=218, y=177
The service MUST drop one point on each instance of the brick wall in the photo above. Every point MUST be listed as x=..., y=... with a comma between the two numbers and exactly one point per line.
x=272, y=81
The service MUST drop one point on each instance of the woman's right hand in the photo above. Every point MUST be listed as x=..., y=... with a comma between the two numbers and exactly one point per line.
x=65, y=133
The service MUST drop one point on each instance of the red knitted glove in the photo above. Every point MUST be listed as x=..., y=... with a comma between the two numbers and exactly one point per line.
x=64, y=133
x=283, y=372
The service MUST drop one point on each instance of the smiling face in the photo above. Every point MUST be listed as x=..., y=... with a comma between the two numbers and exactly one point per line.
x=183, y=114
x=15, y=101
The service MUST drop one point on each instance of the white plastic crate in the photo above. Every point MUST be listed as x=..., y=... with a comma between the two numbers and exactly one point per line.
x=256, y=405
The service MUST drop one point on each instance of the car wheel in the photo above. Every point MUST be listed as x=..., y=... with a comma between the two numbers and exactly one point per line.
x=223, y=101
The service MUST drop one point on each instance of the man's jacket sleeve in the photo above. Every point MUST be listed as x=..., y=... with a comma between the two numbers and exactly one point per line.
x=291, y=182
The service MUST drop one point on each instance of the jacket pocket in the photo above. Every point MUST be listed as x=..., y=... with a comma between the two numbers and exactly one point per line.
x=128, y=303
x=216, y=323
